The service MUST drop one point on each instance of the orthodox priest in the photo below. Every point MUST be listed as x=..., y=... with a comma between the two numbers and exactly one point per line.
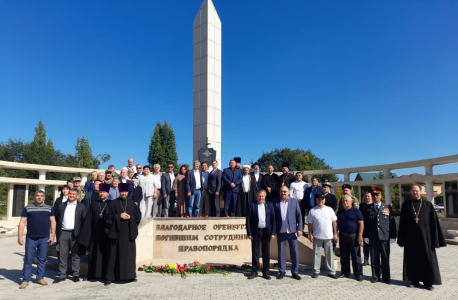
x=286, y=178
x=123, y=217
x=247, y=192
x=420, y=234
x=269, y=181
x=94, y=234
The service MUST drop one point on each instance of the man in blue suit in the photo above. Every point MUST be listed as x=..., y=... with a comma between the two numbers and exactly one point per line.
x=288, y=223
x=194, y=185
x=232, y=178
x=260, y=228
x=89, y=185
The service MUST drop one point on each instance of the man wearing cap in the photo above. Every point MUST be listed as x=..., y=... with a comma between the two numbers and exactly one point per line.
x=351, y=226
x=367, y=201
x=94, y=235
x=331, y=200
x=379, y=233
x=257, y=175
x=122, y=218
x=232, y=178
x=269, y=181
x=108, y=177
x=347, y=190
x=76, y=185
x=309, y=196
x=298, y=187
x=322, y=225
x=325, y=180
x=286, y=178
x=247, y=193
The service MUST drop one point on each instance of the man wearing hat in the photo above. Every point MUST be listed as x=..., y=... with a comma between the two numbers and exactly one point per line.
x=122, y=219
x=286, y=178
x=108, y=177
x=81, y=191
x=93, y=234
x=247, y=193
x=238, y=162
x=257, y=175
x=322, y=225
x=346, y=189
x=379, y=233
x=331, y=200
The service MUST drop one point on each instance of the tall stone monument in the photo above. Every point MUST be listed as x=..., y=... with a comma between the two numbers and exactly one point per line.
x=207, y=81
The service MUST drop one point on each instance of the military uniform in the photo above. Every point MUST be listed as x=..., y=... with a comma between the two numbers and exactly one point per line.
x=379, y=228
x=81, y=193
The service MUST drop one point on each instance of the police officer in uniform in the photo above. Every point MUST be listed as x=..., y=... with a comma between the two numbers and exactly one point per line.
x=379, y=232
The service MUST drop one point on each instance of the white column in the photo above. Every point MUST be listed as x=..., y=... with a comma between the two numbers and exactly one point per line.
x=428, y=170
x=401, y=199
x=346, y=177
x=429, y=191
x=387, y=189
x=42, y=176
x=84, y=178
x=9, y=208
x=56, y=192
x=386, y=174
x=26, y=202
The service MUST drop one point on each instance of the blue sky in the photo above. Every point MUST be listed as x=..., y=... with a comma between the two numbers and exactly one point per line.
x=357, y=82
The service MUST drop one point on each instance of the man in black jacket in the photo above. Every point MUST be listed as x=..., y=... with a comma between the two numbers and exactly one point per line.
x=71, y=217
x=166, y=187
x=214, y=188
x=309, y=196
x=137, y=192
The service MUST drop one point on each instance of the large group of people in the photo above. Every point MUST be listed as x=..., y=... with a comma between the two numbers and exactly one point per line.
x=101, y=219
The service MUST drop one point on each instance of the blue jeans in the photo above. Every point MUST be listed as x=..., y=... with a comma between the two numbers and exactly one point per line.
x=194, y=200
x=32, y=246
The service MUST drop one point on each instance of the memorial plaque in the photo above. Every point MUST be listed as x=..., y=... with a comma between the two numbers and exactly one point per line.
x=207, y=155
x=18, y=200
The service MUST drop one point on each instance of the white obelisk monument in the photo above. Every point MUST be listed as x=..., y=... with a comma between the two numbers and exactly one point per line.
x=207, y=81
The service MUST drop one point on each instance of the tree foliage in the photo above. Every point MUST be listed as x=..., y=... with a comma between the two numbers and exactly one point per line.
x=162, y=149
x=299, y=160
x=84, y=153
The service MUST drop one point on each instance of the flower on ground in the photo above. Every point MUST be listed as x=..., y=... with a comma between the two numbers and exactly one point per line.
x=139, y=268
x=144, y=265
x=207, y=268
x=171, y=266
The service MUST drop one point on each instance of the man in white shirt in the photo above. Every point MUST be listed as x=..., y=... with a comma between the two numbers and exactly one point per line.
x=322, y=224
x=194, y=184
x=298, y=187
x=130, y=164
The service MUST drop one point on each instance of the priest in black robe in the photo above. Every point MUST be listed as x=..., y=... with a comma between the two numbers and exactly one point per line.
x=420, y=234
x=94, y=234
x=123, y=217
x=269, y=183
x=247, y=192
x=286, y=178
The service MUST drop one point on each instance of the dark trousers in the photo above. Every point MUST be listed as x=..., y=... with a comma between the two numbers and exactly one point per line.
x=230, y=203
x=349, y=247
x=291, y=239
x=380, y=250
x=215, y=209
x=67, y=242
x=366, y=251
x=261, y=240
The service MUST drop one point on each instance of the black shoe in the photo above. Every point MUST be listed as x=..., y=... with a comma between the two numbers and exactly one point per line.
x=333, y=276
x=280, y=275
x=315, y=275
x=108, y=282
x=60, y=279
x=360, y=278
x=252, y=275
x=343, y=275
x=413, y=284
x=266, y=276
x=374, y=280
x=387, y=281
x=366, y=263
x=429, y=288
x=76, y=279
x=296, y=276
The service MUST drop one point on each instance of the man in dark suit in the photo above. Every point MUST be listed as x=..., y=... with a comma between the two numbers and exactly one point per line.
x=288, y=222
x=194, y=185
x=260, y=228
x=214, y=188
x=89, y=185
x=137, y=192
x=166, y=187
x=379, y=232
x=232, y=178
x=257, y=175
x=308, y=201
x=71, y=217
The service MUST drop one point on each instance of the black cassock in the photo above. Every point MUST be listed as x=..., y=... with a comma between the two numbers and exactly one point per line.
x=122, y=235
x=269, y=180
x=94, y=236
x=420, y=241
x=285, y=180
x=244, y=199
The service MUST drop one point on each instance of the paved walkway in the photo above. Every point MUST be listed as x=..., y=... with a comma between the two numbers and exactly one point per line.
x=233, y=286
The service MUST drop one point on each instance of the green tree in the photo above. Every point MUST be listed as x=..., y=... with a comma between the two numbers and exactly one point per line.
x=169, y=145
x=39, y=151
x=84, y=153
x=156, y=154
x=299, y=160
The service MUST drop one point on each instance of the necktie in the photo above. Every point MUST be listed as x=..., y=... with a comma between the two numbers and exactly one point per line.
x=312, y=197
x=376, y=207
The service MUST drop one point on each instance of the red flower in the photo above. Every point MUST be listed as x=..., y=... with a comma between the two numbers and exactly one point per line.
x=144, y=265
x=200, y=216
x=207, y=268
x=187, y=216
x=139, y=268
x=206, y=216
x=227, y=216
